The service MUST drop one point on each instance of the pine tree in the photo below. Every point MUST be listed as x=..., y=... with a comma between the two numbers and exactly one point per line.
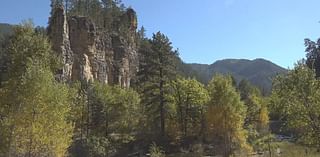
x=313, y=55
x=157, y=68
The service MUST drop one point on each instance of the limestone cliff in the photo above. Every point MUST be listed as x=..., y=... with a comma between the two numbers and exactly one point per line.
x=90, y=54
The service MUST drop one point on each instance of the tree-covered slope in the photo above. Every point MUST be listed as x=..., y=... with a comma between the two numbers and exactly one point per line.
x=5, y=29
x=259, y=71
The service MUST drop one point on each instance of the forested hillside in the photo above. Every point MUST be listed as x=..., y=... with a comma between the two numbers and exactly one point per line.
x=258, y=72
x=92, y=84
x=5, y=29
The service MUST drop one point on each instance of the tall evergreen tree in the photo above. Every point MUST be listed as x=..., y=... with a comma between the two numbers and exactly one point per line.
x=157, y=68
x=313, y=55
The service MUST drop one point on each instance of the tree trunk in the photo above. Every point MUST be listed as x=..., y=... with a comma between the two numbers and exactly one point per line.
x=186, y=118
x=269, y=147
x=88, y=116
x=107, y=125
x=201, y=133
x=107, y=132
x=181, y=117
x=162, y=116
x=180, y=110
x=30, y=135
x=82, y=119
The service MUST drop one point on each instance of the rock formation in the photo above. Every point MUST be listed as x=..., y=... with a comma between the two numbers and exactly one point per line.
x=90, y=54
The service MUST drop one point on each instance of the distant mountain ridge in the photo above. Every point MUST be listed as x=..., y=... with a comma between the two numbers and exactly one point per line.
x=5, y=29
x=259, y=72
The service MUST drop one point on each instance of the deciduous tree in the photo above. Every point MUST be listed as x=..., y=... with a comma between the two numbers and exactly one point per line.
x=226, y=114
x=35, y=108
x=189, y=99
x=296, y=97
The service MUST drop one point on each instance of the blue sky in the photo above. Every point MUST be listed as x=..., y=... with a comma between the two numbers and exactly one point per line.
x=209, y=30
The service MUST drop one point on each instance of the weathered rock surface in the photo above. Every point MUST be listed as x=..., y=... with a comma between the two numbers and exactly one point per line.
x=89, y=54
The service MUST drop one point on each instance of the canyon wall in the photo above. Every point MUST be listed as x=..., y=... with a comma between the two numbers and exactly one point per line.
x=89, y=53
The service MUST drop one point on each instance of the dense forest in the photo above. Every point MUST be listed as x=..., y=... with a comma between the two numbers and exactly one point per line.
x=167, y=110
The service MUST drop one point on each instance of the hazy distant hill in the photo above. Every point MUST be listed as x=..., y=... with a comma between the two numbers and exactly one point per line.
x=5, y=29
x=259, y=71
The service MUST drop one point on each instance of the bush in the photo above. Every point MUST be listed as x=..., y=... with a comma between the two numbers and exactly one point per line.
x=155, y=151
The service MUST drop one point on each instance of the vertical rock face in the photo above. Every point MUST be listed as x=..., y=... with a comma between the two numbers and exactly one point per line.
x=89, y=54
x=58, y=34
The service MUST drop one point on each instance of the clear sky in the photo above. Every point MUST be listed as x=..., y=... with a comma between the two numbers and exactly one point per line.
x=209, y=30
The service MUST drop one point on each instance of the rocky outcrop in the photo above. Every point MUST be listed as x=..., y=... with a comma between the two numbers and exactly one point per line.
x=90, y=54
x=59, y=37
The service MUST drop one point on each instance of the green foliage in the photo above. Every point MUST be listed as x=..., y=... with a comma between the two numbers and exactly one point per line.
x=110, y=118
x=90, y=8
x=41, y=121
x=155, y=151
x=119, y=109
x=34, y=107
x=99, y=146
x=257, y=116
x=225, y=115
x=289, y=149
x=189, y=98
x=313, y=51
x=257, y=112
x=245, y=89
x=108, y=15
x=296, y=97
x=41, y=117
x=262, y=142
x=157, y=68
x=28, y=47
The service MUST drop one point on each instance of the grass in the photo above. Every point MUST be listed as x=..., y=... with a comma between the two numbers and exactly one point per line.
x=287, y=149
x=295, y=150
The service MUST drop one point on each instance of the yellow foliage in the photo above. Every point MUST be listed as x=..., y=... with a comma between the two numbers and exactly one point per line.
x=264, y=116
x=225, y=115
